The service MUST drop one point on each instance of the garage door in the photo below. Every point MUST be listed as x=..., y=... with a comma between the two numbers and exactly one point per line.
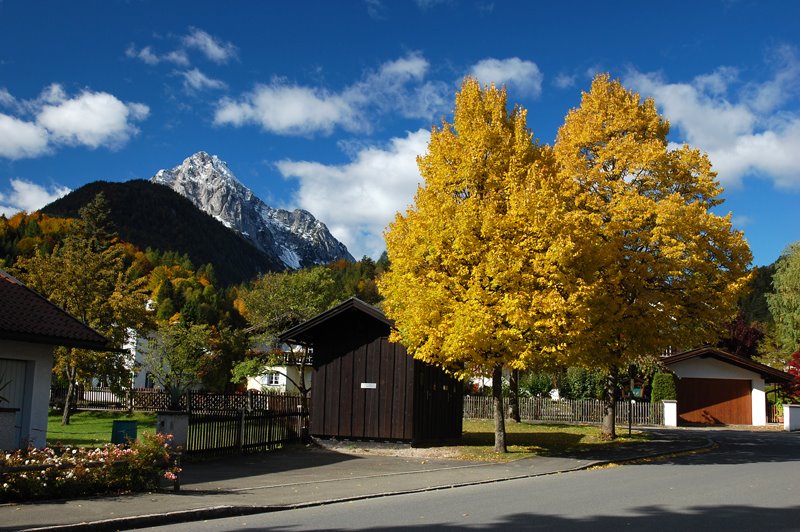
x=715, y=401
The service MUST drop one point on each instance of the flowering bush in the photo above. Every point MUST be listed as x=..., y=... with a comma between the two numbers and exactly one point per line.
x=62, y=472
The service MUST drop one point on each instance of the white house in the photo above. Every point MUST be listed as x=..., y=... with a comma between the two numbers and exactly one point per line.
x=717, y=387
x=282, y=378
x=30, y=328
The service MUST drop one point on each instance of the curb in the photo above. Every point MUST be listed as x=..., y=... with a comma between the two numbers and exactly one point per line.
x=225, y=511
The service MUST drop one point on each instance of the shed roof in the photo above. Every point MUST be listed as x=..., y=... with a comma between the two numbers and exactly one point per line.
x=305, y=333
x=770, y=375
x=26, y=316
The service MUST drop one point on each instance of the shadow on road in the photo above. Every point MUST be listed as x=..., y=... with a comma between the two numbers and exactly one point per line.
x=650, y=518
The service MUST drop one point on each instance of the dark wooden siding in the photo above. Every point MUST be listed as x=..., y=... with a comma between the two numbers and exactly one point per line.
x=715, y=401
x=410, y=401
x=350, y=411
x=439, y=405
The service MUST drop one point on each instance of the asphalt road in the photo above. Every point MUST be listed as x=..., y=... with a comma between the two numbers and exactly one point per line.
x=750, y=482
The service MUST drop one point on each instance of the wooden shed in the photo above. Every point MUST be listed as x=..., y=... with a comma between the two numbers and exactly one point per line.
x=366, y=387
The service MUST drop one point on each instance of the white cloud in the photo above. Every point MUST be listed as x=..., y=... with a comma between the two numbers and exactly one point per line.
x=773, y=153
x=28, y=197
x=768, y=96
x=358, y=200
x=564, y=81
x=717, y=82
x=745, y=129
x=375, y=9
x=20, y=139
x=413, y=66
x=194, y=80
x=707, y=121
x=742, y=221
x=522, y=76
x=146, y=55
x=214, y=49
x=91, y=119
x=6, y=99
x=399, y=87
x=287, y=109
x=54, y=93
x=290, y=109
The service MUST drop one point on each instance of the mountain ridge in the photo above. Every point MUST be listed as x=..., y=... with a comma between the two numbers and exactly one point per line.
x=296, y=237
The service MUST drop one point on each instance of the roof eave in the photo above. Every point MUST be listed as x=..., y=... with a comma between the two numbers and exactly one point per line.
x=58, y=341
x=294, y=335
x=770, y=375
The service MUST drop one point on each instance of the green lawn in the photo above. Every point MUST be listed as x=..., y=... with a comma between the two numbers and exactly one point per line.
x=88, y=429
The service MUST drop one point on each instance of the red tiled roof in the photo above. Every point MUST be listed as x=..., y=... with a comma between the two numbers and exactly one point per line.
x=26, y=316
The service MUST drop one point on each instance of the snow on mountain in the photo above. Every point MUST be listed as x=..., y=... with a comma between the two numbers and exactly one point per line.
x=296, y=238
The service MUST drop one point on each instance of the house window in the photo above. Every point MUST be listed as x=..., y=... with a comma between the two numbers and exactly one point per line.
x=272, y=379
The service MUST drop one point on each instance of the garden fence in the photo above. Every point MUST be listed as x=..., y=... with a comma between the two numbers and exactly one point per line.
x=157, y=400
x=567, y=410
x=230, y=432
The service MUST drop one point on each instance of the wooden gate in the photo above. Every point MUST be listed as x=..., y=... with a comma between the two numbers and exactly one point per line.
x=715, y=401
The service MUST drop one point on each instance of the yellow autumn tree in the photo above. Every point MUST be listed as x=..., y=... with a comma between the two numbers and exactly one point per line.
x=466, y=288
x=659, y=268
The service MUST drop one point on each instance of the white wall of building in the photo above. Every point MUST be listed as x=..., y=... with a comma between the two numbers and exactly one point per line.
x=711, y=368
x=33, y=395
x=264, y=382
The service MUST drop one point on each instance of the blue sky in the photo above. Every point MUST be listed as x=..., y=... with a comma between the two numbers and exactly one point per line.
x=324, y=105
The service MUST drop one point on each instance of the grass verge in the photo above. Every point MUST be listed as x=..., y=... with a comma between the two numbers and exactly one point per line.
x=88, y=429
x=534, y=439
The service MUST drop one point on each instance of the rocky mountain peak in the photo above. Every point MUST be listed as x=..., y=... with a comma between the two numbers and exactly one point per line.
x=295, y=238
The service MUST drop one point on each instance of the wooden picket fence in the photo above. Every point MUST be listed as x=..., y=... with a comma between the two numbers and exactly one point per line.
x=230, y=432
x=588, y=411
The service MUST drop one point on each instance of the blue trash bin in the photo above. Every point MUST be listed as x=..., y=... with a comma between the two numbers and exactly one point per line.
x=123, y=431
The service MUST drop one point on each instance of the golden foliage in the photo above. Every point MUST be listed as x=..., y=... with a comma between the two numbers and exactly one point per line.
x=599, y=250
x=470, y=284
x=661, y=269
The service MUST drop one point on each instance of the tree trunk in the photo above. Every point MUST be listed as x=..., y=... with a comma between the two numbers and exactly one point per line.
x=608, y=430
x=499, y=417
x=513, y=396
x=71, y=373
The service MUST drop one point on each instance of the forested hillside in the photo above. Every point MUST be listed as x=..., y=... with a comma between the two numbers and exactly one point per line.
x=153, y=216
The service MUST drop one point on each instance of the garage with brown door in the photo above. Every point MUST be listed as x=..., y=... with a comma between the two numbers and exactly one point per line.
x=715, y=387
x=715, y=401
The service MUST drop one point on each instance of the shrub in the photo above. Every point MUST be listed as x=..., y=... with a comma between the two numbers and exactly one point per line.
x=664, y=388
x=71, y=472
x=535, y=384
x=581, y=383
